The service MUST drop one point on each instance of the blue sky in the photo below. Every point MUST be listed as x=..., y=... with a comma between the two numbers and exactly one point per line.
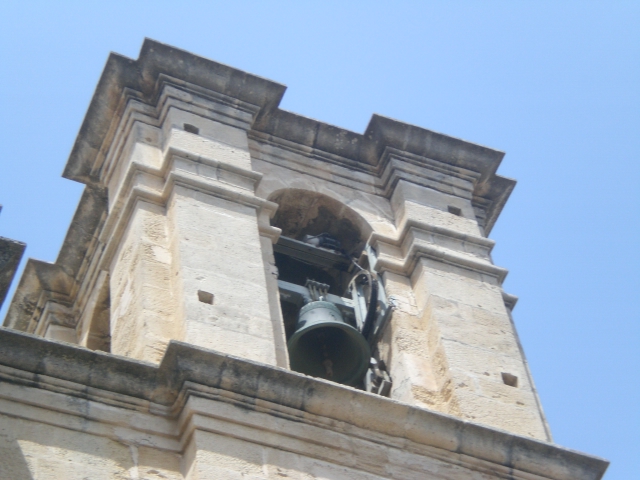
x=554, y=84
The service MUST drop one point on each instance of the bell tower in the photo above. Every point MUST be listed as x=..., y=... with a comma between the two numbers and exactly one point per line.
x=248, y=293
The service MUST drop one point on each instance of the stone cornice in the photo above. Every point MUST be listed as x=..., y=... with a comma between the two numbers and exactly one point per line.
x=235, y=188
x=395, y=165
x=157, y=61
x=40, y=282
x=187, y=373
x=142, y=76
x=171, y=92
x=44, y=281
x=412, y=245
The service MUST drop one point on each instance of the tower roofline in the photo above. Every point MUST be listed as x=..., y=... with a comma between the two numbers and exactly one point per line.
x=141, y=76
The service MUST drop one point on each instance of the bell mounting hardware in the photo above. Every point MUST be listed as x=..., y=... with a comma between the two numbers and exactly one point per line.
x=334, y=311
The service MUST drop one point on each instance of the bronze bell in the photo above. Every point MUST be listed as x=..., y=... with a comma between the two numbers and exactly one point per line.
x=325, y=346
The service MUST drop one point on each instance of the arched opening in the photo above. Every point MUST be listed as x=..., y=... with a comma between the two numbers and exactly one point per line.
x=317, y=254
x=303, y=216
x=302, y=212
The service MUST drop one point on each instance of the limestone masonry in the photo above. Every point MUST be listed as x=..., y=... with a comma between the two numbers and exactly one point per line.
x=223, y=248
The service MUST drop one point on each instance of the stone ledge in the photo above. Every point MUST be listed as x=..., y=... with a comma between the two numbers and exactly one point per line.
x=142, y=75
x=157, y=61
x=40, y=281
x=413, y=248
x=264, y=384
x=167, y=177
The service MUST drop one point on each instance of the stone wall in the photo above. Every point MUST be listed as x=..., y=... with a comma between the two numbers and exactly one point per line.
x=185, y=161
x=68, y=412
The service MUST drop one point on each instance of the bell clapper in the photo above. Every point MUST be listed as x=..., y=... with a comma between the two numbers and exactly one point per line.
x=333, y=336
x=328, y=365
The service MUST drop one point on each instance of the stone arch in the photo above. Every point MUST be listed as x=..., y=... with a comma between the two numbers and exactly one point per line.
x=304, y=212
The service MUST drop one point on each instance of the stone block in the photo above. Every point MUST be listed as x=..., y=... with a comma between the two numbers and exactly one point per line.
x=218, y=454
x=154, y=464
x=61, y=333
x=43, y=452
x=459, y=288
x=229, y=151
x=230, y=133
x=482, y=362
x=498, y=338
x=521, y=420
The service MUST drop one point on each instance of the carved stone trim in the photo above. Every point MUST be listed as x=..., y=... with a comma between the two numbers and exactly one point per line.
x=401, y=254
x=196, y=389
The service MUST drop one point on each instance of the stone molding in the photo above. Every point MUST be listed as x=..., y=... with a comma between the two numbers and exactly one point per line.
x=510, y=300
x=417, y=239
x=379, y=180
x=163, y=77
x=157, y=61
x=166, y=178
x=194, y=388
x=142, y=75
x=438, y=175
x=40, y=283
x=172, y=93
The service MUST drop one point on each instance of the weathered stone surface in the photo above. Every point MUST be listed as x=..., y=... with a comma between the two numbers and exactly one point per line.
x=192, y=174
x=214, y=414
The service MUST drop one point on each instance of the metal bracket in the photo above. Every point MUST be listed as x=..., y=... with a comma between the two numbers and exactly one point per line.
x=377, y=380
x=299, y=296
x=317, y=290
x=311, y=254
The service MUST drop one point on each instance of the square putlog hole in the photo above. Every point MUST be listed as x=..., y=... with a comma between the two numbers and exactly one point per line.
x=205, y=297
x=455, y=210
x=509, y=379
x=191, y=128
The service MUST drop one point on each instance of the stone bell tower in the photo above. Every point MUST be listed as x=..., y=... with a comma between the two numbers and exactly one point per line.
x=224, y=248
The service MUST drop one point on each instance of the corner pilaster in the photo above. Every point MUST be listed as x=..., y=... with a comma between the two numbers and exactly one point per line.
x=186, y=236
x=451, y=345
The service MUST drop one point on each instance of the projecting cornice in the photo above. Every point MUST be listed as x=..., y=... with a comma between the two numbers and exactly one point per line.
x=141, y=78
x=188, y=372
x=121, y=73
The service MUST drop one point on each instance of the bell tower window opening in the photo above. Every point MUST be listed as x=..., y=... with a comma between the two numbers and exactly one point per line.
x=329, y=301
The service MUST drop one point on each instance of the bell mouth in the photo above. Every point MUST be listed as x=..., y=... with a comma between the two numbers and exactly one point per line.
x=324, y=346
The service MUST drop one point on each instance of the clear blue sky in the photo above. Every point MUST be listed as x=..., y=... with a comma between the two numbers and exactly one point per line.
x=554, y=84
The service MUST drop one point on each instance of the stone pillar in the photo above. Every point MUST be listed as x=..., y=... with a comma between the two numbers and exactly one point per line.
x=451, y=345
x=218, y=270
x=189, y=238
x=143, y=313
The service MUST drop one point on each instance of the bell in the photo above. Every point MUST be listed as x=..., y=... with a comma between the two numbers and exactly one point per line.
x=325, y=346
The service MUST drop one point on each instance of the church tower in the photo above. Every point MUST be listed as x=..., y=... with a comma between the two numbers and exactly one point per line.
x=244, y=292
